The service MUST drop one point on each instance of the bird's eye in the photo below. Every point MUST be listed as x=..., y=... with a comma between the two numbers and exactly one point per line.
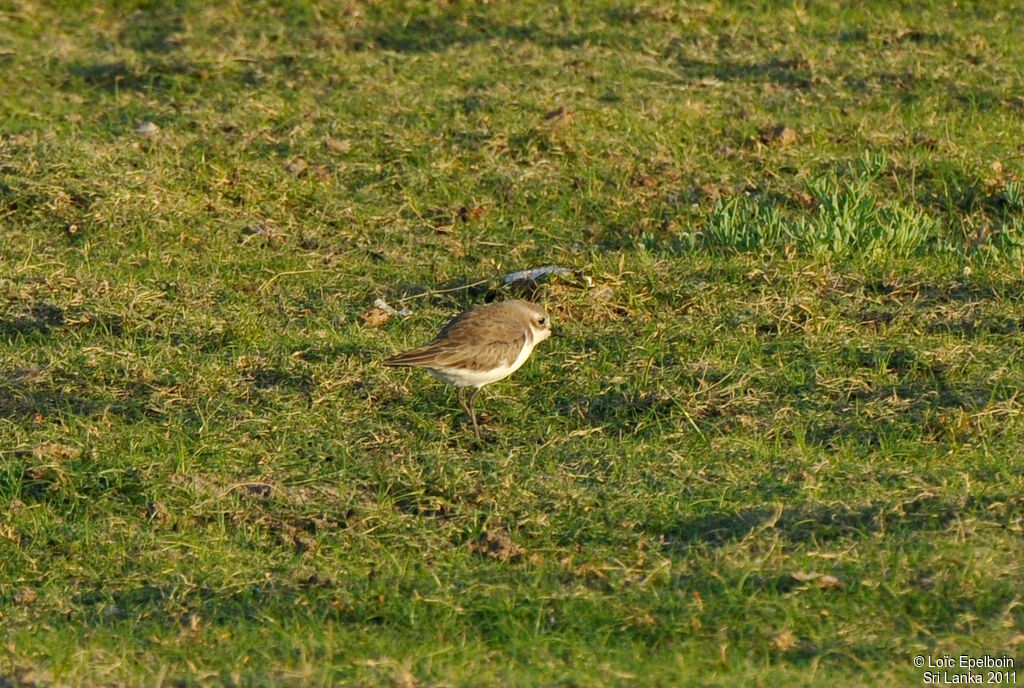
x=542, y=320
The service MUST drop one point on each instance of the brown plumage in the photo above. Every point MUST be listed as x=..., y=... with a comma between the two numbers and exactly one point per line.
x=480, y=346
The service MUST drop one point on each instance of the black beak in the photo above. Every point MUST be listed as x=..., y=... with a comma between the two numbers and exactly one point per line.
x=557, y=332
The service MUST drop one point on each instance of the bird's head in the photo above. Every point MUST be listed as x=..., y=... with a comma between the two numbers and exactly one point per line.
x=538, y=320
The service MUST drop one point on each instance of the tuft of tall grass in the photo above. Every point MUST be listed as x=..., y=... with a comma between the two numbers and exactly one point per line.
x=846, y=218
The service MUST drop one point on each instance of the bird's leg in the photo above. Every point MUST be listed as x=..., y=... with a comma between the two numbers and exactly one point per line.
x=472, y=412
x=467, y=407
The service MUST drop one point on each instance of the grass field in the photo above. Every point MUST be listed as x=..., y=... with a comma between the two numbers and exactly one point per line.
x=780, y=445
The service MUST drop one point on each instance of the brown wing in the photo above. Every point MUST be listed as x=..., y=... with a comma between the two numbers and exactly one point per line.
x=483, y=356
x=472, y=343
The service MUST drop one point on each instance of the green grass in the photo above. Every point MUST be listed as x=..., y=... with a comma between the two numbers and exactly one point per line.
x=784, y=357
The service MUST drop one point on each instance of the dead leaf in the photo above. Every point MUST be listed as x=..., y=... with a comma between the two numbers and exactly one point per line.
x=829, y=582
x=470, y=213
x=803, y=198
x=784, y=640
x=496, y=544
x=710, y=192
x=296, y=166
x=824, y=580
x=337, y=146
x=375, y=316
x=779, y=135
x=147, y=129
x=56, y=451
x=7, y=532
x=993, y=185
x=25, y=596
x=646, y=181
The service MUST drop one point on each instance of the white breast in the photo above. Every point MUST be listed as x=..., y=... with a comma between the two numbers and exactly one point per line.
x=478, y=378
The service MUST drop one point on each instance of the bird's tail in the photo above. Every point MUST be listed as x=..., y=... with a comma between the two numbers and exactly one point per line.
x=414, y=357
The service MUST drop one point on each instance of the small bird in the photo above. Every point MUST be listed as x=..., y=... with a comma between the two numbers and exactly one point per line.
x=480, y=346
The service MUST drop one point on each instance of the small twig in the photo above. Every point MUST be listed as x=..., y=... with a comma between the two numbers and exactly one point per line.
x=430, y=292
x=282, y=274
